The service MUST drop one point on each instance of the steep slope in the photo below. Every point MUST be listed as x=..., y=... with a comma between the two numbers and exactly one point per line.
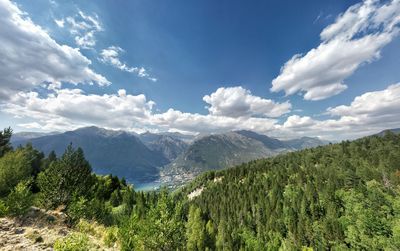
x=304, y=142
x=215, y=152
x=394, y=130
x=268, y=142
x=334, y=197
x=115, y=152
x=218, y=151
x=20, y=136
x=166, y=145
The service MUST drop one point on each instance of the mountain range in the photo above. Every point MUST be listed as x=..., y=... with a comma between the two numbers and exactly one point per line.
x=177, y=157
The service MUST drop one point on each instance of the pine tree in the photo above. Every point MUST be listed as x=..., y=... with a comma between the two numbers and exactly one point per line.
x=5, y=144
x=195, y=230
x=67, y=177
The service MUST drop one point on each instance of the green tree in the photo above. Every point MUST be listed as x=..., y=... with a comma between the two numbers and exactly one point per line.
x=66, y=177
x=20, y=199
x=195, y=230
x=5, y=144
x=15, y=166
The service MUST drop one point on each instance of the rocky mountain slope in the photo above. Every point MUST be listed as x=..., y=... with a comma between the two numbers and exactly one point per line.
x=169, y=146
x=218, y=151
x=116, y=152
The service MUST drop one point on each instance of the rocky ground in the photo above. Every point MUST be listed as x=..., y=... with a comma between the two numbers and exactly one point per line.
x=38, y=230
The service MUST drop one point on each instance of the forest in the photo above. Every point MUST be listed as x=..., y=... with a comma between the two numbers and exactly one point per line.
x=342, y=196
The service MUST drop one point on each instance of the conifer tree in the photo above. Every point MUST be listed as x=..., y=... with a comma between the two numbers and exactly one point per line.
x=67, y=177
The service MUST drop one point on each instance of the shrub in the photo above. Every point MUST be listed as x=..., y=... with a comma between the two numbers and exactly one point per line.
x=110, y=237
x=73, y=242
x=15, y=166
x=77, y=210
x=20, y=199
x=3, y=209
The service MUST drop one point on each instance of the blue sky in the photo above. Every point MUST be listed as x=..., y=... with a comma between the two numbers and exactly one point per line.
x=168, y=56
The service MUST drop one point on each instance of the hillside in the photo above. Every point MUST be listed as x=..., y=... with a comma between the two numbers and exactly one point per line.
x=167, y=145
x=139, y=157
x=116, y=152
x=337, y=197
x=218, y=151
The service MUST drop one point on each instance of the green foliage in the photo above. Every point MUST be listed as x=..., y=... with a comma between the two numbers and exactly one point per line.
x=195, y=230
x=3, y=208
x=111, y=236
x=161, y=228
x=5, y=144
x=339, y=196
x=73, y=242
x=64, y=178
x=20, y=199
x=15, y=166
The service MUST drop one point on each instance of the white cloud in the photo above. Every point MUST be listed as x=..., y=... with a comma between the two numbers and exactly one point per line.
x=84, y=27
x=369, y=113
x=72, y=107
x=30, y=57
x=239, y=102
x=60, y=22
x=194, y=122
x=111, y=56
x=356, y=37
x=63, y=108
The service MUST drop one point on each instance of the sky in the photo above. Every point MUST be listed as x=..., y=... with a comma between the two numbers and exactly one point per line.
x=327, y=69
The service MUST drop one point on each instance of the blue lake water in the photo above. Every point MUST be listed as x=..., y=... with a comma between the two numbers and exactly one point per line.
x=147, y=186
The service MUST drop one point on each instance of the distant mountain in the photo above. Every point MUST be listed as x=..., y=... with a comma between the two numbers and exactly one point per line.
x=394, y=130
x=140, y=157
x=220, y=151
x=20, y=136
x=116, y=152
x=167, y=145
x=270, y=143
x=304, y=142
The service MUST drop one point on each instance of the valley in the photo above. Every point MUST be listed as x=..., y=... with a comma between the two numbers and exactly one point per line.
x=151, y=160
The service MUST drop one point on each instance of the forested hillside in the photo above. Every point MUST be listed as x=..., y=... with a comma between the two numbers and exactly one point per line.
x=341, y=196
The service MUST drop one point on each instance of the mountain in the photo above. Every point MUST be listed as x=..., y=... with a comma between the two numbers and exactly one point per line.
x=270, y=143
x=394, y=130
x=116, y=152
x=139, y=157
x=20, y=136
x=218, y=151
x=167, y=145
x=335, y=193
x=304, y=142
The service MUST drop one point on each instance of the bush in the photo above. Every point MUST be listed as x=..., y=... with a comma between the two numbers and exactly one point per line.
x=14, y=167
x=20, y=199
x=110, y=237
x=3, y=209
x=77, y=210
x=73, y=242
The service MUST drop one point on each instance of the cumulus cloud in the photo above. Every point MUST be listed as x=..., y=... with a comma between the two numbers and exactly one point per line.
x=111, y=56
x=369, y=113
x=62, y=108
x=72, y=107
x=194, y=122
x=30, y=57
x=356, y=37
x=239, y=102
x=84, y=27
